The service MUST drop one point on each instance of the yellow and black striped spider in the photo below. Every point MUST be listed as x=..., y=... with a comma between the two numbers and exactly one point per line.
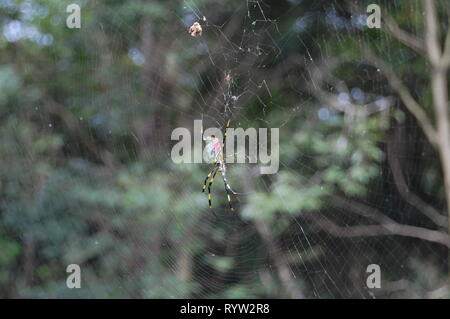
x=214, y=154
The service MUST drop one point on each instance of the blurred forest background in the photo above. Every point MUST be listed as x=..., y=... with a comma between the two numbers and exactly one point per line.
x=86, y=176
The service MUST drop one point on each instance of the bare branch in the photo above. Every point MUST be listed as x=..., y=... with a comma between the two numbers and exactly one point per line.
x=445, y=60
x=410, y=103
x=404, y=190
x=387, y=226
x=384, y=229
x=439, y=88
x=440, y=293
x=273, y=247
x=351, y=110
x=432, y=32
x=283, y=269
x=394, y=29
x=403, y=36
x=362, y=210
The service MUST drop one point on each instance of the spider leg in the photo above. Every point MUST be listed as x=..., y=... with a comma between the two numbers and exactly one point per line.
x=209, y=185
x=227, y=189
x=222, y=169
x=223, y=140
x=227, y=186
x=206, y=179
x=214, y=175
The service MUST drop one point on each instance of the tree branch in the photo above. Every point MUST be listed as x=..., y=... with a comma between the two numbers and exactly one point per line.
x=445, y=60
x=410, y=103
x=432, y=32
x=403, y=36
x=404, y=190
x=439, y=88
x=385, y=226
x=384, y=229
x=271, y=243
x=362, y=210
x=385, y=221
x=394, y=29
x=352, y=111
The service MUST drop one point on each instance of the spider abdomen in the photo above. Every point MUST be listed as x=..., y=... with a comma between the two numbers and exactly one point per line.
x=213, y=152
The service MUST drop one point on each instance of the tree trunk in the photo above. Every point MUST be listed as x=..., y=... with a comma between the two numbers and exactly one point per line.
x=440, y=99
x=439, y=89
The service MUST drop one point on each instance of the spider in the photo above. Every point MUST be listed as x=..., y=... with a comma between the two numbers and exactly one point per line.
x=195, y=30
x=214, y=155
